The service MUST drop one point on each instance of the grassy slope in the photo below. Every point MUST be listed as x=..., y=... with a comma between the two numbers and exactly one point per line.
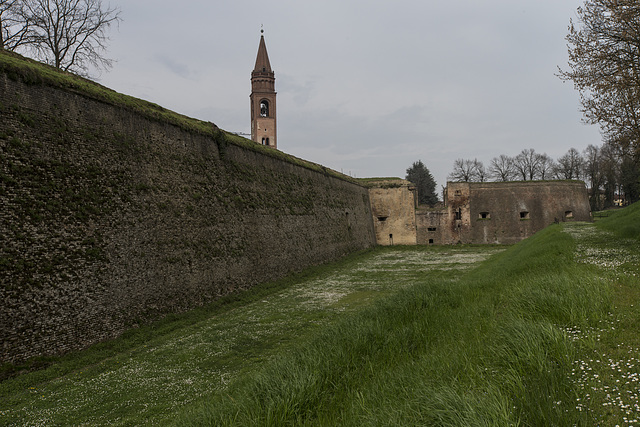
x=613, y=362
x=624, y=222
x=490, y=349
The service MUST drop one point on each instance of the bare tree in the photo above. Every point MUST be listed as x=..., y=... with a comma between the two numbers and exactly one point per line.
x=604, y=62
x=546, y=165
x=594, y=176
x=69, y=34
x=13, y=28
x=630, y=179
x=461, y=171
x=501, y=168
x=520, y=166
x=466, y=170
x=527, y=164
x=481, y=174
x=570, y=165
x=611, y=161
x=6, y=8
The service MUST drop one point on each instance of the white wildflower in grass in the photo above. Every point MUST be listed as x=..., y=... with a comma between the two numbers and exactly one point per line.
x=613, y=376
x=604, y=249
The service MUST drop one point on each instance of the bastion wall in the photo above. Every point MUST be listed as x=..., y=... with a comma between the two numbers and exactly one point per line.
x=110, y=219
x=393, y=205
x=503, y=212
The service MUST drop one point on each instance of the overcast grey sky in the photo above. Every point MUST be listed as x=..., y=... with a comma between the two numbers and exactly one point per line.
x=364, y=87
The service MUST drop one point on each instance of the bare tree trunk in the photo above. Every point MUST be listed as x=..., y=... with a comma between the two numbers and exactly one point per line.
x=1, y=34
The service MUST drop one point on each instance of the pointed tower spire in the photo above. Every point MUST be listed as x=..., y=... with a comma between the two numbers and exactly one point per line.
x=263, y=99
x=262, y=60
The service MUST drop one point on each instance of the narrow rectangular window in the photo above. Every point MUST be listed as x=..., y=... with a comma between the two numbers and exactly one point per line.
x=524, y=215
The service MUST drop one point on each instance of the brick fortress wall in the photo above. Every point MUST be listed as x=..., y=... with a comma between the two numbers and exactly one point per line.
x=502, y=212
x=109, y=219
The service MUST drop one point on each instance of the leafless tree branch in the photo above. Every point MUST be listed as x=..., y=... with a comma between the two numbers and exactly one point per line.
x=69, y=34
x=604, y=66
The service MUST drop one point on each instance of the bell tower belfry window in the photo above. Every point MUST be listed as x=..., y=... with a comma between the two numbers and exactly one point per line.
x=264, y=108
x=263, y=99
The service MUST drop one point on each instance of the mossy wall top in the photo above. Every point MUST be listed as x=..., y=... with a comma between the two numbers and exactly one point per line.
x=109, y=218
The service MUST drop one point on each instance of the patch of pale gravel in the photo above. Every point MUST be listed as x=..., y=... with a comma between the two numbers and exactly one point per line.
x=327, y=292
x=427, y=260
x=322, y=295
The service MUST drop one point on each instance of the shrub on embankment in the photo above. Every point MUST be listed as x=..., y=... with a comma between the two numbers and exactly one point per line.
x=489, y=349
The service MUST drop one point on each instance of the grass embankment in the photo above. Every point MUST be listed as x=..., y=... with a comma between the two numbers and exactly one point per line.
x=151, y=373
x=623, y=223
x=489, y=349
x=608, y=373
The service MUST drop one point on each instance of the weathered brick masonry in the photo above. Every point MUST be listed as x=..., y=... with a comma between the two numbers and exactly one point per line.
x=506, y=212
x=108, y=219
x=474, y=212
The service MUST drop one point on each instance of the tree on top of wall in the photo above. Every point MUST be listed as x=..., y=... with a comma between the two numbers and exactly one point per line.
x=502, y=168
x=424, y=182
x=570, y=165
x=69, y=34
x=467, y=170
x=527, y=164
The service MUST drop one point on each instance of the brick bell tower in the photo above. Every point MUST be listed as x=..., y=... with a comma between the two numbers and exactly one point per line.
x=263, y=99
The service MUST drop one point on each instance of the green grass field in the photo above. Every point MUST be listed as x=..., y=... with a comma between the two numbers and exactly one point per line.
x=541, y=333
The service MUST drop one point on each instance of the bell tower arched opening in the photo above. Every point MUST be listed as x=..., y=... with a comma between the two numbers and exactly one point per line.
x=264, y=108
